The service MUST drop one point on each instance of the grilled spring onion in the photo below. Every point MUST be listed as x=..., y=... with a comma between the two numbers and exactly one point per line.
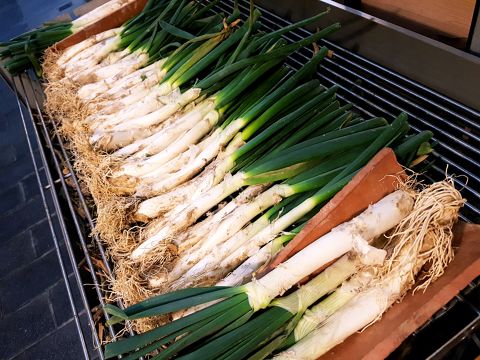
x=422, y=238
x=241, y=302
x=25, y=50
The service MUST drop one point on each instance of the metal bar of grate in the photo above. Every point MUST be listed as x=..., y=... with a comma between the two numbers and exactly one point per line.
x=83, y=243
x=373, y=89
x=87, y=211
x=364, y=84
x=59, y=218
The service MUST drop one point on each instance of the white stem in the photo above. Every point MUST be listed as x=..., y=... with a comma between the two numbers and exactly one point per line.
x=195, y=166
x=193, y=239
x=157, y=116
x=358, y=313
x=92, y=59
x=179, y=220
x=144, y=148
x=92, y=40
x=122, y=110
x=98, y=13
x=210, y=255
x=137, y=103
x=243, y=273
x=107, y=88
x=125, y=67
x=153, y=207
x=373, y=222
x=210, y=269
x=191, y=137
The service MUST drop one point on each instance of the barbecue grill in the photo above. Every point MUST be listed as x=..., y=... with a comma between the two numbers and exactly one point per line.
x=374, y=89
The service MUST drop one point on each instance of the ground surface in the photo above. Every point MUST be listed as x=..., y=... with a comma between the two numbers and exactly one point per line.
x=35, y=314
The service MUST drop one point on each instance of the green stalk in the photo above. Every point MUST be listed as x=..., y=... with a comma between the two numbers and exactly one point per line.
x=293, y=96
x=289, y=157
x=278, y=33
x=126, y=345
x=226, y=96
x=407, y=150
x=261, y=90
x=282, y=52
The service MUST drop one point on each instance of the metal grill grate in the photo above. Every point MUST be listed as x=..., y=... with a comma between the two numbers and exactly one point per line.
x=57, y=164
x=373, y=89
x=377, y=91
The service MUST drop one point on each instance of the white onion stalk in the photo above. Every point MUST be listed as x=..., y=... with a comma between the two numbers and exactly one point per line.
x=207, y=256
x=216, y=264
x=72, y=51
x=115, y=112
x=244, y=273
x=424, y=236
x=219, y=140
x=159, y=186
x=147, y=184
x=174, y=102
x=195, y=234
x=191, y=137
x=123, y=66
x=142, y=82
x=191, y=190
x=179, y=219
x=87, y=52
x=166, y=136
x=129, y=152
x=152, y=93
x=139, y=128
x=98, y=13
x=319, y=313
x=357, y=314
x=147, y=76
x=91, y=56
x=353, y=235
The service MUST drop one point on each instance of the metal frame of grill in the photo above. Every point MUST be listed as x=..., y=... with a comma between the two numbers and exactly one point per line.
x=373, y=89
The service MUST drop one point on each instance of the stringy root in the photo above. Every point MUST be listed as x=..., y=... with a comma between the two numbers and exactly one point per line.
x=131, y=286
x=50, y=69
x=427, y=233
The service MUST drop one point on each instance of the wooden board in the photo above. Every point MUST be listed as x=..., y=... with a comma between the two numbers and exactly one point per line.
x=373, y=182
x=402, y=319
x=113, y=20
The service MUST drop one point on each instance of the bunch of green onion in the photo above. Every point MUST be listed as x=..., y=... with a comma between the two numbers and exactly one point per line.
x=26, y=50
x=227, y=328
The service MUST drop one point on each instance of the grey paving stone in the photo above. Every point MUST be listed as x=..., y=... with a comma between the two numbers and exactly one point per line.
x=30, y=213
x=11, y=199
x=25, y=327
x=21, y=168
x=62, y=344
x=29, y=281
x=42, y=237
x=30, y=186
x=9, y=155
x=17, y=252
x=60, y=302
